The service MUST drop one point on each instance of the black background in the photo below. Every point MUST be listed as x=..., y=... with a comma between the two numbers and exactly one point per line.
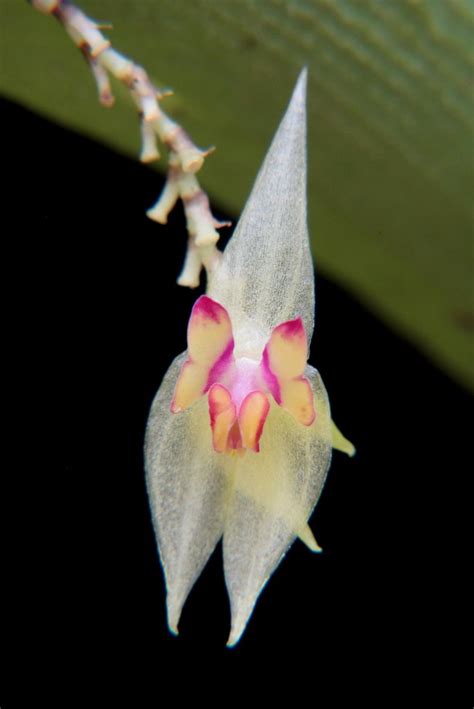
x=92, y=319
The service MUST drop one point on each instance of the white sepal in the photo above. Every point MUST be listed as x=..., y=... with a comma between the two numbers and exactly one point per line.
x=266, y=274
x=188, y=490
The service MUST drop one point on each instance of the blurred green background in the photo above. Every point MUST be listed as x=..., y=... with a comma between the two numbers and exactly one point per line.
x=391, y=137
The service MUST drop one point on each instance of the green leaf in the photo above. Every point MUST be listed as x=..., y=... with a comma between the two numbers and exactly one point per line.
x=390, y=128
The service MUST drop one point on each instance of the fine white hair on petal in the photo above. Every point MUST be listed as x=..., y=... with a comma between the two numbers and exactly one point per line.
x=188, y=490
x=273, y=496
x=266, y=274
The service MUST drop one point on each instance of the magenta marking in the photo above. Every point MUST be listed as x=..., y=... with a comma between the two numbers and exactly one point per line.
x=270, y=379
x=208, y=308
x=234, y=440
x=221, y=365
x=291, y=329
x=214, y=408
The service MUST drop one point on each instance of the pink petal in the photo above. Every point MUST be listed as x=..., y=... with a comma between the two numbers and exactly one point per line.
x=283, y=362
x=223, y=416
x=210, y=352
x=252, y=416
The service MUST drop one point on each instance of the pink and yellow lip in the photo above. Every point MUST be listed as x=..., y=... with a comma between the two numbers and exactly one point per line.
x=232, y=430
x=283, y=364
x=210, y=348
x=238, y=391
x=252, y=416
x=223, y=415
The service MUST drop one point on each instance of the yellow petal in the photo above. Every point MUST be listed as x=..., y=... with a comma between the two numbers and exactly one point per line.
x=287, y=349
x=252, y=415
x=210, y=348
x=297, y=398
x=223, y=415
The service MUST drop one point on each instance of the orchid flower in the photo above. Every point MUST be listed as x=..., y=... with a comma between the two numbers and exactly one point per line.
x=240, y=437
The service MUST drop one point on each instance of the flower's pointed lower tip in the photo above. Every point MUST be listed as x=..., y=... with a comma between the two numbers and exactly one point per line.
x=239, y=620
x=341, y=443
x=173, y=614
x=348, y=449
x=234, y=637
x=173, y=628
x=308, y=538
